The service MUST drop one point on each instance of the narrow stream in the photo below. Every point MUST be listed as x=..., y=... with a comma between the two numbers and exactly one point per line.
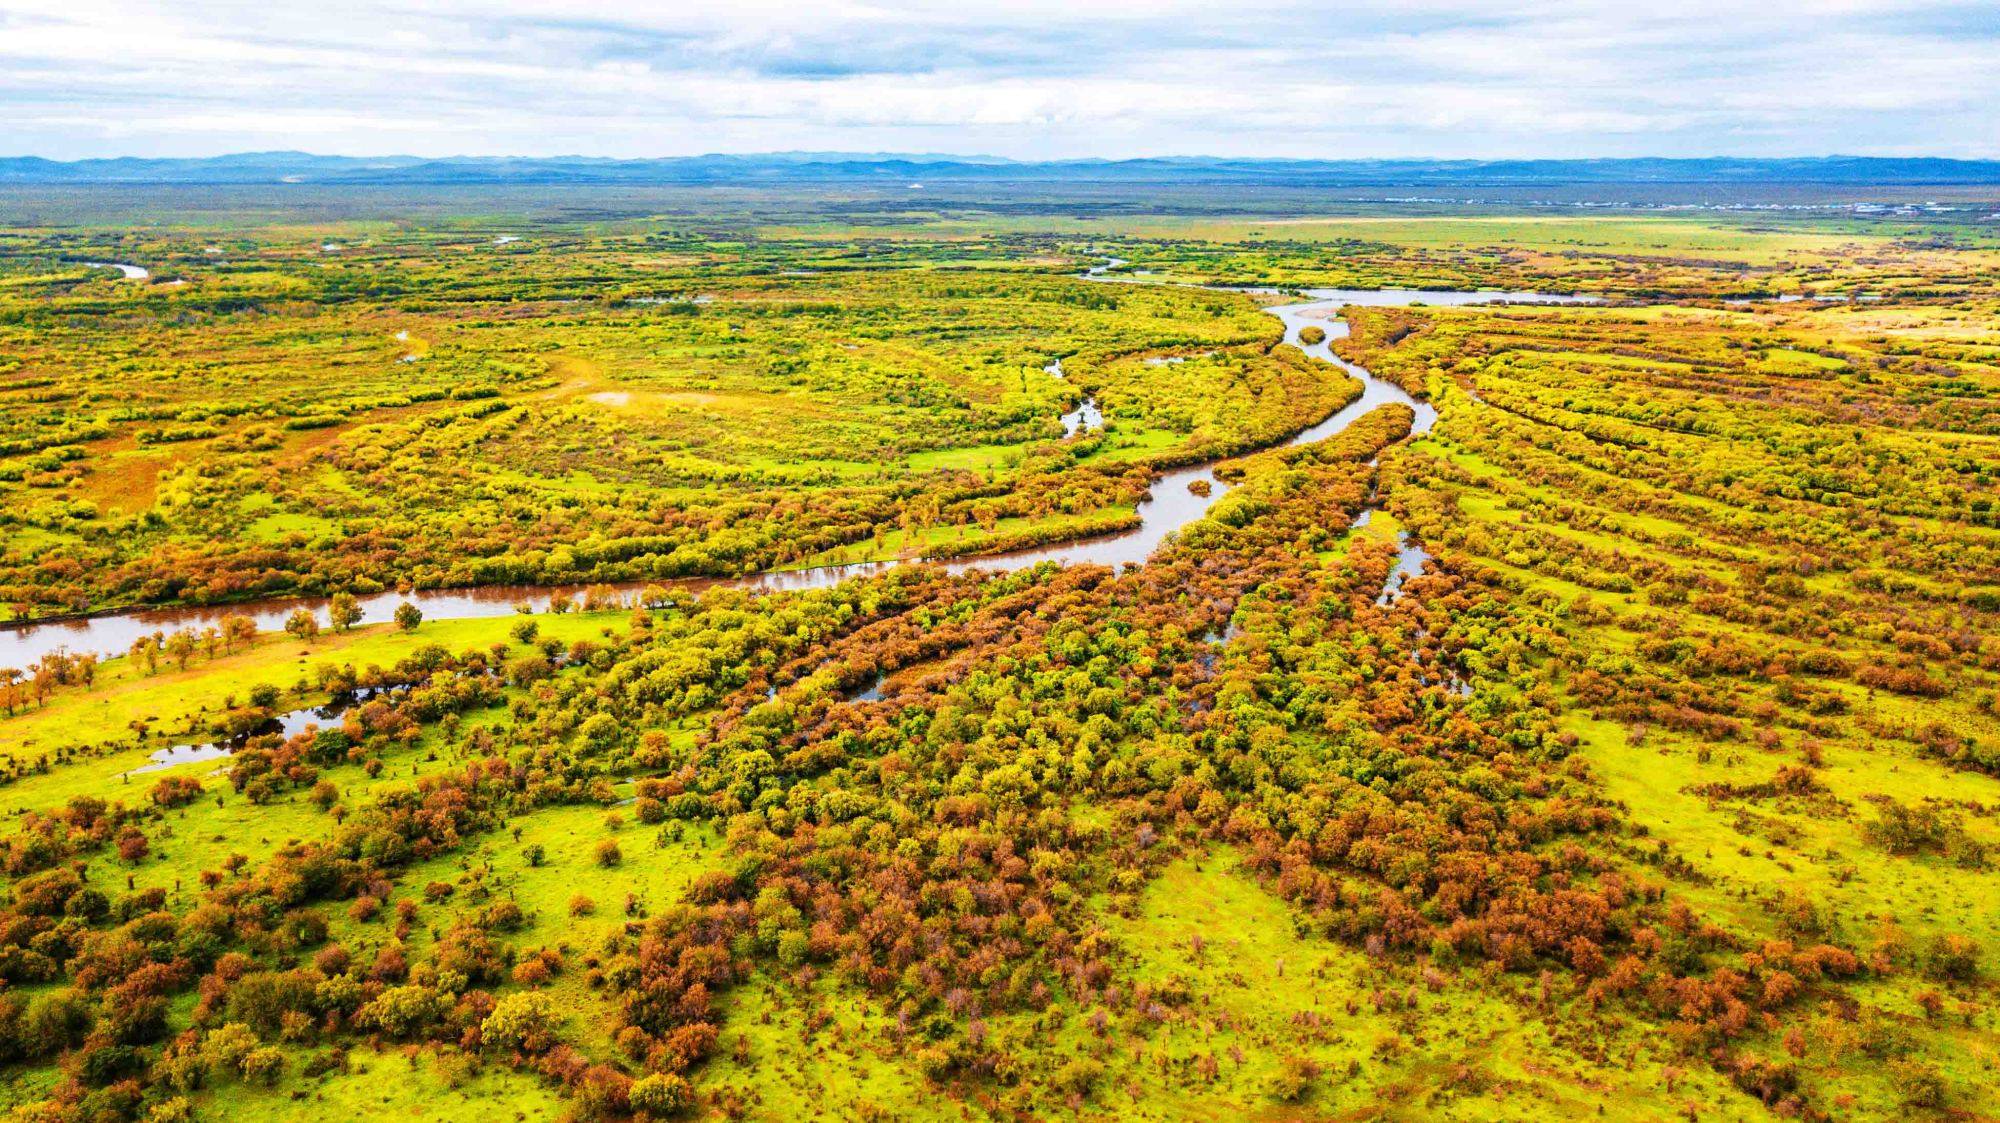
x=1410, y=559
x=1175, y=500
x=1085, y=417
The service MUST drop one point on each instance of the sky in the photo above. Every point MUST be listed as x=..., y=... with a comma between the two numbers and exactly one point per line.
x=1028, y=79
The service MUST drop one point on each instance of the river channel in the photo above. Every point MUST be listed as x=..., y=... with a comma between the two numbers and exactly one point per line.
x=1170, y=505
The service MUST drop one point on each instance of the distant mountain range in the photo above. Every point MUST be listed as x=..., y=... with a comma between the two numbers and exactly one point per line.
x=901, y=169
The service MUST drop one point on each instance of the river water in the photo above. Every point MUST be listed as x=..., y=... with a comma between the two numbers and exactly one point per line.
x=132, y=272
x=286, y=724
x=1172, y=503
x=1085, y=417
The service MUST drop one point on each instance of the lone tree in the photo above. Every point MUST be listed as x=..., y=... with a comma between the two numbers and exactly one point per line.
x=343, y=611
x=408, y=616
x=661, y=1094
x=238, y=630
x=302, y=624
x=180, y=648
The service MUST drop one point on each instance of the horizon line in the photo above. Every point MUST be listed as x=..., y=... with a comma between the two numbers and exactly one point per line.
x=863, y=155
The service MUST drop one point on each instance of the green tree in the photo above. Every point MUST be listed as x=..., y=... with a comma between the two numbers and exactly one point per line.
x=180, y=648
x=53, y=1021
x=661, y=1094
x=527, y=1022
x=302, y=624
x=403, y=1011
x=343, y=611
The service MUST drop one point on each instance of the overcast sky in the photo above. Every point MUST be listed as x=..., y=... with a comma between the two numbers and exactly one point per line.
x=1021, y=78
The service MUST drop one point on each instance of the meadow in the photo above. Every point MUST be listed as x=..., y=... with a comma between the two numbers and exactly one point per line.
x=1661, y=786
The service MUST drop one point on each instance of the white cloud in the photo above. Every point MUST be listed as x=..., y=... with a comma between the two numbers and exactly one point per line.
x=1019, y=77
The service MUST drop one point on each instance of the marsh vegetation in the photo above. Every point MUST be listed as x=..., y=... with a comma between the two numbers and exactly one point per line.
x=1597, y=716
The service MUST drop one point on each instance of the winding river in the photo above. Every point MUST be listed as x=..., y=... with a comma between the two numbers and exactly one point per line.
x=131, y=272
x=1169, y=506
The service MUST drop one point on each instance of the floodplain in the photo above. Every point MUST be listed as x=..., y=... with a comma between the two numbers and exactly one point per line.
x=1598, y=713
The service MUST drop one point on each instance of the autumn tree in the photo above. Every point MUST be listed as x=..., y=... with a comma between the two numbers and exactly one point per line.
x=302, y=624
x=343, y=611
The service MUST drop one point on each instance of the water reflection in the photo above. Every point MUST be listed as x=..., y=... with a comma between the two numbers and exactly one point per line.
x=1082, y=419
x=284, y=725
x=131, y=272
x=1410, y=558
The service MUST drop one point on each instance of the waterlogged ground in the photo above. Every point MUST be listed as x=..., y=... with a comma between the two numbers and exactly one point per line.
x=1177, y=498
x=1536, y=712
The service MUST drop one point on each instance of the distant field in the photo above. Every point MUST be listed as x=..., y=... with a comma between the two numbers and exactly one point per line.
x=727, y=415
x=1735, y=239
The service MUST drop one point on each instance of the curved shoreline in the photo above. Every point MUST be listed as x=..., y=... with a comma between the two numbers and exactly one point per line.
x=1169, y=505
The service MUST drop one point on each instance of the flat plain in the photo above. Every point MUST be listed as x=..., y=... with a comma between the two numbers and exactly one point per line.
x=1625, y=743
